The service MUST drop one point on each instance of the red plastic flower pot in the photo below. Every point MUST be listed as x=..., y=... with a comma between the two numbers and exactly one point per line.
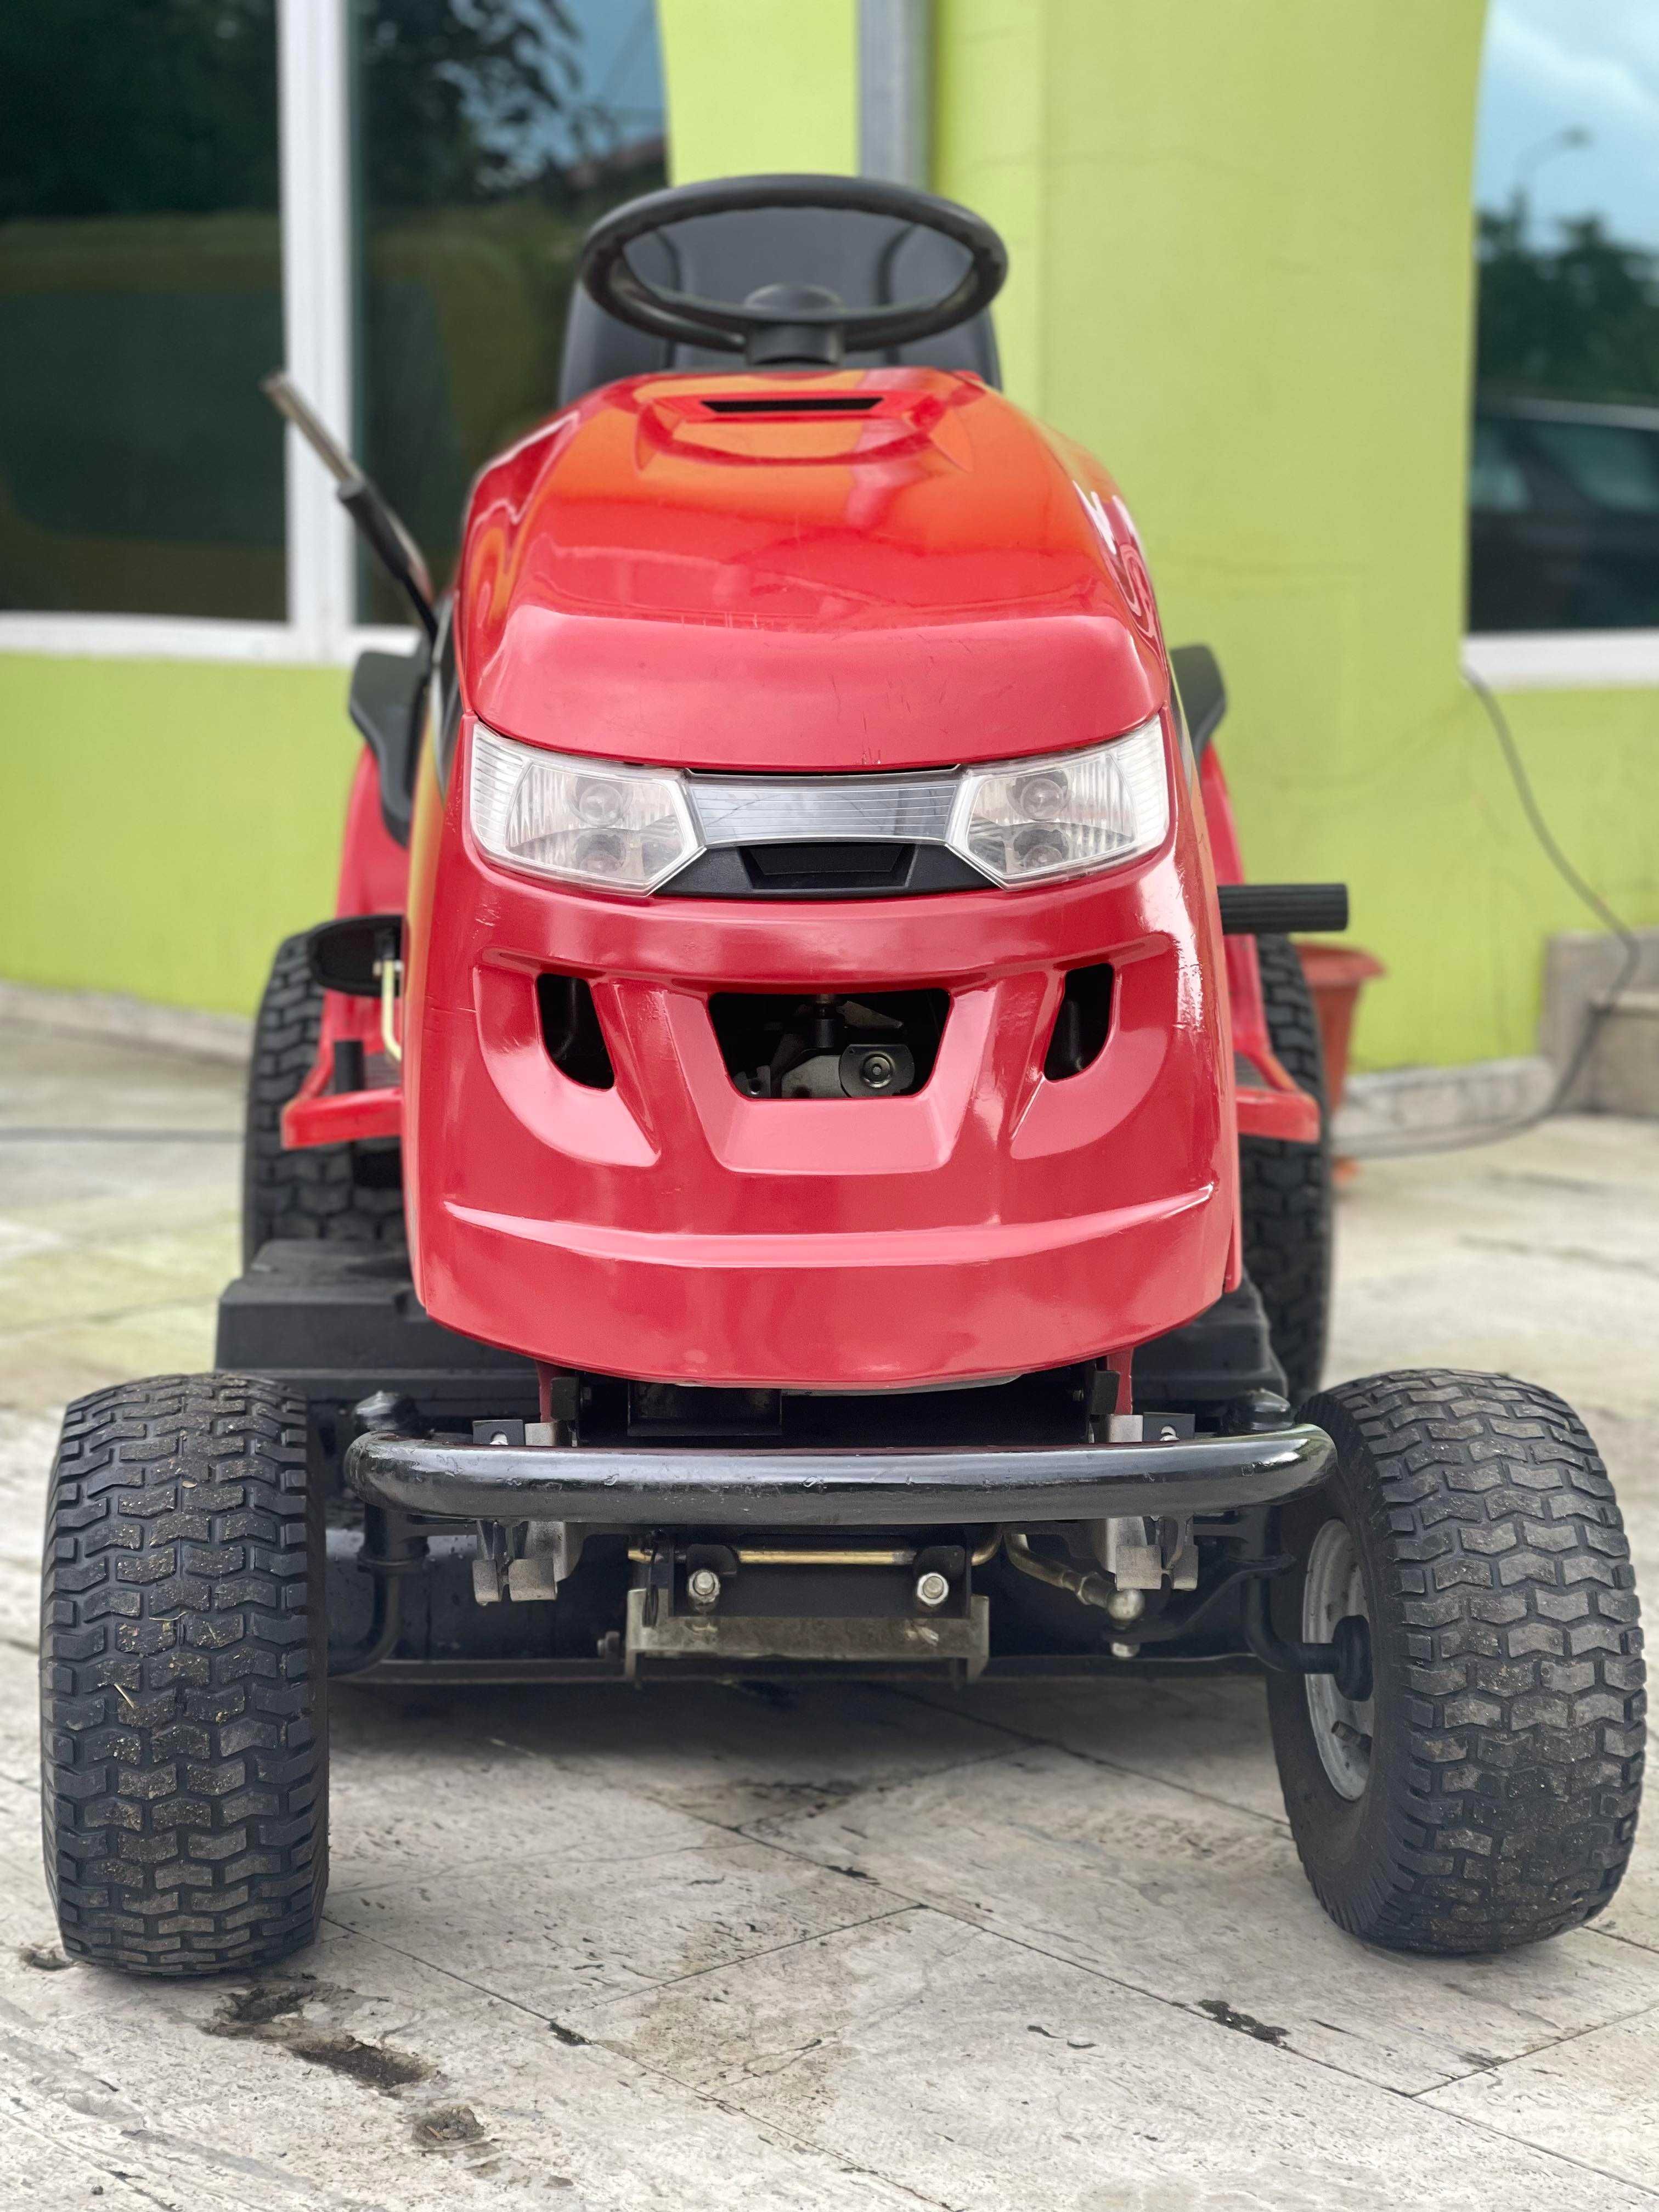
x=1336, y=973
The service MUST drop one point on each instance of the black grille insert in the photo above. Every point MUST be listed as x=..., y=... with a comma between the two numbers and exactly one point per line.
x=859, y=868
x=849, y=867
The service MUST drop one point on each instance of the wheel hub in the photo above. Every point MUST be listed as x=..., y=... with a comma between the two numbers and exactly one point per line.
x=1334, y=1593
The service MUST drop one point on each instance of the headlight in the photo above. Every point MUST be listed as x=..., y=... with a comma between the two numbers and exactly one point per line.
x=1025, y=822
x=589, y=821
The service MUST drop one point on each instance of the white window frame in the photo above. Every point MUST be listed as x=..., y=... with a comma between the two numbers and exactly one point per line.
x=1563, y=660
x=314, y=153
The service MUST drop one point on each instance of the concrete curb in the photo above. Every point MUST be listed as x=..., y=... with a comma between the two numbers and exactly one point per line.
x=110, y=1014
x=1383, y=1113
x=1621, y=1072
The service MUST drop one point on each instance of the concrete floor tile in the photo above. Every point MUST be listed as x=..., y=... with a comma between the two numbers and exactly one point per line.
x=87, y=1192
x=19, y=1720
x=978, y=2073
x=53, y=1079
x=1538, y=1257
x=1589, y=2097
x=1633, y=1915
x=26, y=1445
x=66, y=1281
x=43, y=1368
x=46, y=2175
x=140, y=2077
x=717, y=1754
x=555, y=1935
x=1208, y=1733
x=1206, y=1907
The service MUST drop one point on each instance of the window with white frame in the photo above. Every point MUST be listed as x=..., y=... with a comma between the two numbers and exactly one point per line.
x=1564, y=492
x=387, y=195
x=140, y=302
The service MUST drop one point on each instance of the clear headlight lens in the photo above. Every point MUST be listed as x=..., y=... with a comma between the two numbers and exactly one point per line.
x=588, y=822
x=1025, y=822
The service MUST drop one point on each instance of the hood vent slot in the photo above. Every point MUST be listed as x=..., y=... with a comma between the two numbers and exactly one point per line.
x=806, y=403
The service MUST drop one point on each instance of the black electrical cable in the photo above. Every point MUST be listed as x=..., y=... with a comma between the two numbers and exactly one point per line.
x=1595, y=1014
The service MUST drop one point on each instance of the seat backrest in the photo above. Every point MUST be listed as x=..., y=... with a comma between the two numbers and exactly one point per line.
x=1197, y=673
x=868, y=260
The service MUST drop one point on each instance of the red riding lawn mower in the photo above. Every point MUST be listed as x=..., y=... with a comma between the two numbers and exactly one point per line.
x=801, y=1154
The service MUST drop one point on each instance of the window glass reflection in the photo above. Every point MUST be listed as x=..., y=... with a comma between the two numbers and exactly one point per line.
x=140, y=472
x=1564, y=494
x=491, y=134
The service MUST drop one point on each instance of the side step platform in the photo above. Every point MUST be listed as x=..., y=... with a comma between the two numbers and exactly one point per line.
x=335, y=1322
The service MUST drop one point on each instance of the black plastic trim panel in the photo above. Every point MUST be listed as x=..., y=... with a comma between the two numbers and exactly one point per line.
x=858, y=871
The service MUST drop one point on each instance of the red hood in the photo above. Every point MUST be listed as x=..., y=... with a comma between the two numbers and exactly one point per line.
x=664, y=573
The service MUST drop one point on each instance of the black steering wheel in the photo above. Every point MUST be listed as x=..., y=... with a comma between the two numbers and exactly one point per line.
x=804, y=323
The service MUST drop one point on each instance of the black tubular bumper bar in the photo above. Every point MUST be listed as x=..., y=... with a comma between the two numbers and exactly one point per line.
x=629, y=1487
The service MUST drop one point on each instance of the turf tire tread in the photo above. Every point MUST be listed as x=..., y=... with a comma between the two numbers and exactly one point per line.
x=319, y=1192
x=184, y=1664
x=1511, y=1629
x=1286, y=1190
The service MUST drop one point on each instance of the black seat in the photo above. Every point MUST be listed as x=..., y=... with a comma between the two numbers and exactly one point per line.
x=869, y=260
x=1197, y=673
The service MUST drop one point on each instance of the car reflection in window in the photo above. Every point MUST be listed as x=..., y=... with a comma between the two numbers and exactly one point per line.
x=1564, y=516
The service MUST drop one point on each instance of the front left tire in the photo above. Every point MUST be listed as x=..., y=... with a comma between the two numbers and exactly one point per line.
x=184, y=1677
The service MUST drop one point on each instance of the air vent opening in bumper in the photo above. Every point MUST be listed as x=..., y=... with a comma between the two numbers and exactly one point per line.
x=1081, y=1024
x=858, y=1044
x=570, y=1030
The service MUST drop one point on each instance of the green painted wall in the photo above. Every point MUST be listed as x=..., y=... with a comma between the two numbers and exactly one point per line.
x=756, y=86
x=1241, y=242
x=1241, y=274
x=165, y=822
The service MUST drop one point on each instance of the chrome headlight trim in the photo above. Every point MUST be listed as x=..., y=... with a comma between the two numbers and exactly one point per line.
x=911, y=808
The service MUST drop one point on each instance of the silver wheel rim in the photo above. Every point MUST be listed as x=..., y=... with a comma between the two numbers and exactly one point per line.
x=1341, y=1729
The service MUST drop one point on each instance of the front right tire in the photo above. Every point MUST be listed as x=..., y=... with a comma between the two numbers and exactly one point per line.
x=1486, y=1795
x=1285, y=1190
x=344, y=1193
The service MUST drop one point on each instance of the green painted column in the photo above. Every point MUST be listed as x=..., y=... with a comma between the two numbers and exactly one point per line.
x=1242, y=242
x=756, y=86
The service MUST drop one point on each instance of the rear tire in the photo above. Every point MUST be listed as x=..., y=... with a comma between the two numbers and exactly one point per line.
x=1485, y=1795
x=350, y=1193
x=1286, y=1190
x=184, y=1677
